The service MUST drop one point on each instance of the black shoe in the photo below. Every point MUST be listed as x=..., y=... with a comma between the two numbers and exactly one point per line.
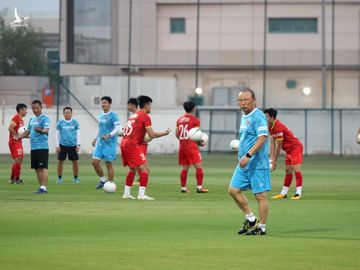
x=100, y=185
x=184, y=191
x=247, y=226
x=256, y=231
x=202, y=190
x=19, y=182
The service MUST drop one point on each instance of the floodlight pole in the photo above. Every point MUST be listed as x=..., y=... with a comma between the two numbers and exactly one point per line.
x=129, y=56
x=332, y=71
x=264, y=54
x=197, y=45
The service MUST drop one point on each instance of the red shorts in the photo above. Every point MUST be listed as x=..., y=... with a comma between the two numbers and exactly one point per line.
x=294, y=156
x=16, y=150
x=132, y=155
x=143, y=148
x=189, y=156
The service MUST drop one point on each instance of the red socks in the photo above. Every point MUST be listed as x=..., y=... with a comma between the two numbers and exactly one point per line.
x=144, y=178
x=15, y=171
x=199, y=176
x=183, y=177
x=288, y=180
x=298, y=177
x=130, y=179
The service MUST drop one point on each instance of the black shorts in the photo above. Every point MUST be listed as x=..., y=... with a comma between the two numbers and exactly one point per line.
x=39, y=159
x=69, y=151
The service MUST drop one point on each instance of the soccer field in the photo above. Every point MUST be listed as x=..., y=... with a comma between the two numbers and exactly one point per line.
x=78, y=227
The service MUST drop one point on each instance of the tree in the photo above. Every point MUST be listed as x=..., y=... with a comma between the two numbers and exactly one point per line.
x=20, y=51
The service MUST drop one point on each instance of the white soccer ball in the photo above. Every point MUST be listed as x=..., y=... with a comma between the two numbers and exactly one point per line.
x=109, y=187
x=21, y=130
x=147, y=138
x=358, y=138
x=204, y=138
x=234, y=145
x=195, y=134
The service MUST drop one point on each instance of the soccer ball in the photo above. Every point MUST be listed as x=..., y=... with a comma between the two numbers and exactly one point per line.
x=204, y=138
x=147, y=138
x=358, y=138
x=121, y=132
x=109, y=187
x=234, y=145
x=21, y=130
x=195, y=134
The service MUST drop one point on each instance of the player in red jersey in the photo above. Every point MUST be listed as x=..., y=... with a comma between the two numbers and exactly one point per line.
x=282, y=137
x=15, y=145
x=132, y=155
x=133, y=106
x=189, y=153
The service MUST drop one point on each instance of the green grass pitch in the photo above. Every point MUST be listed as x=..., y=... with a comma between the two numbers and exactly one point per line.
x=78, y=227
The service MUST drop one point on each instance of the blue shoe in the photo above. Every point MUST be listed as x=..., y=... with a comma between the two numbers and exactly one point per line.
x=76, y=180
x=41, y=191
x=100, y=185
x=59, y=181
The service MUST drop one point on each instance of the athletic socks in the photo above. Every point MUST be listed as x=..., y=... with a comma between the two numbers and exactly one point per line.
x=298, y=177
x=250, y=217
x=288, y=180
x=199, y=176
x=284, y=190
x=130, y=179
x=183, y=178
x=103, y=179
x=144, y=178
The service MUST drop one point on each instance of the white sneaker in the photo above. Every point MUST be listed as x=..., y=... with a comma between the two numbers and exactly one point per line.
x=147, y=198
x=128, y=197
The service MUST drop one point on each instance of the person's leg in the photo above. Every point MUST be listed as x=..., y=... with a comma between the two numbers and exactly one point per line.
x=60, y=167
x=99, y=171
x=17, y=170
x=183, y=178
x=299, y=181
x=129, y=182
x=110, y=170
x=287, y=183
x=76, y=171
x=144, y=178
x=42, y=176
x=199, y=178
x=263, y=207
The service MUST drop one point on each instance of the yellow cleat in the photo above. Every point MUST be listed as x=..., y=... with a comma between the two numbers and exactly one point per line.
x=279, y=196
x=296, y=197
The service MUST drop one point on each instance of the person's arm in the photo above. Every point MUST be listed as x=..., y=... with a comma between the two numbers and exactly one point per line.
x=113, y=133
x=252, y=151
x=277, y=149
x=12, y=128
x=57, y=141
x=78, y=140
x=155, y=134
x=95, y=136
x=358, y=137
x=177, y=131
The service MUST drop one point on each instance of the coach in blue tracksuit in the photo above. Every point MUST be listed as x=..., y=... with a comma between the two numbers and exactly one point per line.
x=67, y=138
x=253, y=170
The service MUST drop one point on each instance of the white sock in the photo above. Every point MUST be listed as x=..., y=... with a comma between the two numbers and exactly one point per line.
x=141, y=191
x=43, y=187
x=262, y=227
x=250, y=217
x=103, y=179
x=298, y=190
x=284, y=190
x=127, y=190
x=199, y=187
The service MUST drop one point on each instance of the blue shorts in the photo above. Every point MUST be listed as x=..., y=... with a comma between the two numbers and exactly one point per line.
x=256, y=180
x=105, y=152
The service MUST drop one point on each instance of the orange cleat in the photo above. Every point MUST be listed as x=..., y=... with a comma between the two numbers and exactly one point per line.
x=279, y=196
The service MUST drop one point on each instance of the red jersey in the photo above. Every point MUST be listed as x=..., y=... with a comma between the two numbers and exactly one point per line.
x=184, y=124
x=19, y=123
x=135, y=128
x=281, y=132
